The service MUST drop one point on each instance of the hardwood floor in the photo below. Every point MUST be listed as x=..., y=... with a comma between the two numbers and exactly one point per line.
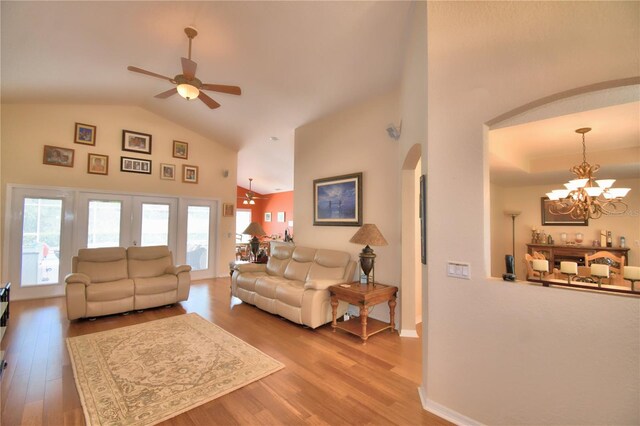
x=329, y=378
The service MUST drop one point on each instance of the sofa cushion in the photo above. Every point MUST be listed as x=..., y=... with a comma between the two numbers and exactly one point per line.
x=247, y=280
x=103, y=271
x=155, y=285
x=328, y=265
x=151, y=261
x=297, y=270
x=290, y=292
x=279, y=259
x=107, y=291
x=304, y=254
x=267, y=286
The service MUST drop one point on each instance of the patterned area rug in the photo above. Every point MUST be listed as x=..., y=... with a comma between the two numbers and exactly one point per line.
x=144, y=374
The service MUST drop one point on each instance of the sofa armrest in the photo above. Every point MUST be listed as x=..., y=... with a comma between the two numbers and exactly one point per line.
x=175, y=270
x=321, y=284
x=252, y=267
x=77, y=277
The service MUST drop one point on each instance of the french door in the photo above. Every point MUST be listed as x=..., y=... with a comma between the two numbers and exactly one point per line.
x=46, y=227
x=117, y=220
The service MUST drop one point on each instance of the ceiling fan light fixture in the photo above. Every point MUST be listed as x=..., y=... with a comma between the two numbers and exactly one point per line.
x=188, y=91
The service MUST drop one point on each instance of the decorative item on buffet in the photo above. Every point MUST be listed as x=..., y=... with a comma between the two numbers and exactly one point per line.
x=579, y=238
x=563, y=238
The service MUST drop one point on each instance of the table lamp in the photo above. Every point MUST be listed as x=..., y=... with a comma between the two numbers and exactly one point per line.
x=369, y=235
x=541, y=266
x=570, y=269
x=600, y=271
x=632, y=273
x=254, y=229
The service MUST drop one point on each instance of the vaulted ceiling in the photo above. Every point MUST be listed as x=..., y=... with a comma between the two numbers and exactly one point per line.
x=295, y=62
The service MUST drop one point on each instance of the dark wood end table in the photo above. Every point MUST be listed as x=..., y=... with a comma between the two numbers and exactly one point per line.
x=363, y=296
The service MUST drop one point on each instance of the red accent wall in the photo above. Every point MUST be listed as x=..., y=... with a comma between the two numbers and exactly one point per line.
x=269, y=203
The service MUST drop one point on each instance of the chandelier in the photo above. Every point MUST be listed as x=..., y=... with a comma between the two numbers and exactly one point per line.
x=585, y=197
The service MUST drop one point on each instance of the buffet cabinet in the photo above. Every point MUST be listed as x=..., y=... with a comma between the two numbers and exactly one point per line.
x=575, y=253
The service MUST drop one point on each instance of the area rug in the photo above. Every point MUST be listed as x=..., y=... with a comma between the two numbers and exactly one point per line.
x=146, y=373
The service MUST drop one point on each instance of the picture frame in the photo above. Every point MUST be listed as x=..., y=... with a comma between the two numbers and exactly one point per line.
x=267, y=217
x=189, y=173
x=550, y=219
x=181, y=150
x=97, y=164
x=85, y=134
x=423, y=219
x=337, y=200
x=280, y=217
x=167, y=171
x=136, y=142
x=135, y=165
x=58, y=156
x=227, y=209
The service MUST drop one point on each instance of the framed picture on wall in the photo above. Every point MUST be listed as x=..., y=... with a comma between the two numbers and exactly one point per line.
x=98, y=164
x=85, y=134
x=58, y=156
x=337, y=201
x=267, y=217
x=135, y=165
x=552, y=219
x=189, y=174
x=227, y=209
x=180, y=150
x=136, y=142
x=280, y=217
x=167, y=171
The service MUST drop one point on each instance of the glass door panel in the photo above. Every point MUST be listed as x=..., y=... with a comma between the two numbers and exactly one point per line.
x=103, y=229
x=154, y=227
x=198, y=219
x=41, y=230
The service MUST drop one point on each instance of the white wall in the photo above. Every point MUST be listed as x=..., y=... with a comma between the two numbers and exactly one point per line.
x=527, y=200
x=27, y=128
x=497, y=352
x=350, y=141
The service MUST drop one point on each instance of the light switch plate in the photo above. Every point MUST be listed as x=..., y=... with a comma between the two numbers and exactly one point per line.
x=460, y=270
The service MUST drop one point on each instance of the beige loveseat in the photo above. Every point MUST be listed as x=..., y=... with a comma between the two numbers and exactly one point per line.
x=294, y=283
x=106, y=281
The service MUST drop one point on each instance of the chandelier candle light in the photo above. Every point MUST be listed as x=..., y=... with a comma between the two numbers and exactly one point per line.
x=585, y=197
x=369, y=235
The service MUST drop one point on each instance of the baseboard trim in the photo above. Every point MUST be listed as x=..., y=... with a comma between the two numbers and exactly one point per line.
x=408, y=333
x=445, y=412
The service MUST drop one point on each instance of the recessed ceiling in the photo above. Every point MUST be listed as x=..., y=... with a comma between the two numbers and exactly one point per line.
x=542, y=151
x=295, y=62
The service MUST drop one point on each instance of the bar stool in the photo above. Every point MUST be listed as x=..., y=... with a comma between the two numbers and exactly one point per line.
x=632, y=273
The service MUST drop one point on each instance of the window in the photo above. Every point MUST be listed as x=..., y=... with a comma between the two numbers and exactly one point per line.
x=41, y=229
x=243, y=219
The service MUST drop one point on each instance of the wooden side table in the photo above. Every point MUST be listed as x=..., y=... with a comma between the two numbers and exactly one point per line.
x=364, y=296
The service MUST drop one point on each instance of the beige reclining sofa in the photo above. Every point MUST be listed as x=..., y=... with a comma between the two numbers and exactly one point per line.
x=294, y=283
x=111, y=280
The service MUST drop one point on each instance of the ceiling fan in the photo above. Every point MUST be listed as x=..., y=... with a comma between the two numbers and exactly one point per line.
x=249, y=196
x=187, y=85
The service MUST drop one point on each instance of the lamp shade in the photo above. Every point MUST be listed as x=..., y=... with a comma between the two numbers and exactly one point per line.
x=632, y=273
x=569, y=268
x=540, y=265
x=369, y=235
x=254, y=229
x=600, y=270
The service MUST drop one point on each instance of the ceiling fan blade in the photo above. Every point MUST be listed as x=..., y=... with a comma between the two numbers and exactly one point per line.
x=207, y=100
x=232, y=90
x=189, y=68
x=166, y=94
x=152, y=74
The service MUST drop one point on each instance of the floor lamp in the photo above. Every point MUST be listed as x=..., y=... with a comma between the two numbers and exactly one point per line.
x=510, y=260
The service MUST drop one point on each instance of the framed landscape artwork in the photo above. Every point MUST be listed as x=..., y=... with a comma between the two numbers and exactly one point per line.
x=337, y=201
x=189, y=174
x=98, y=164
x=551, y=219
x=267, y=217
x=57, y=156
x=167, y=171
x=85, y=134
x=180, y=150
x=136, y=142
x=135, y=165
x=280, y=217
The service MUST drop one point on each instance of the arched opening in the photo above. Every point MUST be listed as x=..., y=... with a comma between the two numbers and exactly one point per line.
x=411, y=294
